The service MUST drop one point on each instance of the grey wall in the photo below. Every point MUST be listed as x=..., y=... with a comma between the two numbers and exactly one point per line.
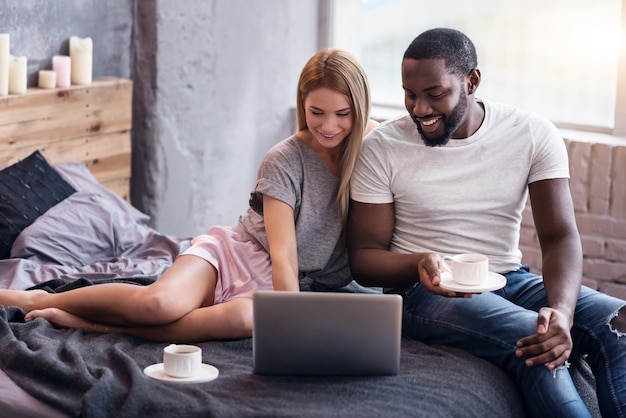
x=224, y=85
x=214, y=88
x=42, y=29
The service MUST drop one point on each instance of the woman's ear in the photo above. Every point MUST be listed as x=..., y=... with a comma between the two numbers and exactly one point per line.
x=473, y=80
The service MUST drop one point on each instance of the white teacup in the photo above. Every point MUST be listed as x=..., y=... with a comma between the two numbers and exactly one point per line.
x=467, y=269
x=181, y=360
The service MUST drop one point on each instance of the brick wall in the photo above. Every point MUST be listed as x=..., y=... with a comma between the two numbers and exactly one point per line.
x=598, y=185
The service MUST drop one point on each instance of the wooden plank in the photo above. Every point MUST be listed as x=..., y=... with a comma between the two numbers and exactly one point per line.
x=39, y=115
x=90, y=124
x=118, y=186
x=111, y=168
x=84, y=149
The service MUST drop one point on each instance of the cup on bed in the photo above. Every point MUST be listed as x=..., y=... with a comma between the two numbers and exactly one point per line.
x=182, y=360
x=467, y=269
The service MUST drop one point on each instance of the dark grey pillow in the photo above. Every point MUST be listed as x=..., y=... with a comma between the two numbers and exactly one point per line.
x=27, y=190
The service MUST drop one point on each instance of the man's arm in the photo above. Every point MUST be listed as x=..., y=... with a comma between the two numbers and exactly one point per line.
x=370, y=228
x=553, y=213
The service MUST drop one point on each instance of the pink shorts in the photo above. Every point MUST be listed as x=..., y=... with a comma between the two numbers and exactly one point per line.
x=243, y=266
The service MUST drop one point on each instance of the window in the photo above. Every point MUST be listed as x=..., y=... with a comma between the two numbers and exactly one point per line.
x=560, y=58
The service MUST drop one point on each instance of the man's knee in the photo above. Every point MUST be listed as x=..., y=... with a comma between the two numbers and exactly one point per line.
x=618, y=323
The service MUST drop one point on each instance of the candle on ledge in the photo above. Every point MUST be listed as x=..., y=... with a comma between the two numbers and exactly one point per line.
x=17, y=75
x=81, y=54
x=61, y=64
x=4, y=63
x=47, y=79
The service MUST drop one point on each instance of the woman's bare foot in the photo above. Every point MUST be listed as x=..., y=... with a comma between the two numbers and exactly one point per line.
x=24, y=299
x=63, y=319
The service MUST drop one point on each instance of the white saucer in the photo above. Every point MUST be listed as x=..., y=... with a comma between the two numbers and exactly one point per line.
x=206, y=374
x=494, y=281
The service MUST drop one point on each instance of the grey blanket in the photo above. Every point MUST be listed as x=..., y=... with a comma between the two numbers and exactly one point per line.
x=101, y=375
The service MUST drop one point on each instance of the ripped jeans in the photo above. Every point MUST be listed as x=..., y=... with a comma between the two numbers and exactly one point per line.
x=488, y=326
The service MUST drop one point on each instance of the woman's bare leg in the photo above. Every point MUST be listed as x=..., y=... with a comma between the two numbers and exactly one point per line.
x=228, y=320
x=187, y=285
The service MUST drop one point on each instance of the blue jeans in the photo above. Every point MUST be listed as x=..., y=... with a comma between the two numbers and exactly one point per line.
x=488, y=326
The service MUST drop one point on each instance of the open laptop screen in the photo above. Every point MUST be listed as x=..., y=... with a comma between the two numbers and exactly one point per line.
x=322, y=333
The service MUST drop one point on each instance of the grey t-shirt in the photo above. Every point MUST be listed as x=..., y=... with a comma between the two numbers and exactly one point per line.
x=292, y=173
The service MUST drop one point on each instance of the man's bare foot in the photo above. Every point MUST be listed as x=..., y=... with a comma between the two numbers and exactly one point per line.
x=24, y=299
x=62, y=319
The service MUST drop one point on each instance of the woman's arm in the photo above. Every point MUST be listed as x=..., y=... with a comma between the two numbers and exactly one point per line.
x=281, y=236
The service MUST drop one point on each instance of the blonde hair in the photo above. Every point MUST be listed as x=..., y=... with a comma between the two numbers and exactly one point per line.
x=340, y=71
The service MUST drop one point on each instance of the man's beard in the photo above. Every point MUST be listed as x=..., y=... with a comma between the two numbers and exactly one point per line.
x=450, y=124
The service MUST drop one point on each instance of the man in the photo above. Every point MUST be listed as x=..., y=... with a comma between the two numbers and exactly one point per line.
x=452, y=177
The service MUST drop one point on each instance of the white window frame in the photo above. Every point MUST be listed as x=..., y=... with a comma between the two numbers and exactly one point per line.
x=596, y=134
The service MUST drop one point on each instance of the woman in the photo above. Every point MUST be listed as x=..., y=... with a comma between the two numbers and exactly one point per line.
x=289, y=239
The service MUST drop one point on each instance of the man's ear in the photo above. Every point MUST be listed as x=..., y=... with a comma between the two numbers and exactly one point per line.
x=473, y=80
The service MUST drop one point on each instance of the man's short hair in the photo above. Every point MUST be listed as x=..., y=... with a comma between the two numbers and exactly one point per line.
x=453, y=46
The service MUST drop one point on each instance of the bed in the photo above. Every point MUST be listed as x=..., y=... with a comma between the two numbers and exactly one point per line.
x=68, y=153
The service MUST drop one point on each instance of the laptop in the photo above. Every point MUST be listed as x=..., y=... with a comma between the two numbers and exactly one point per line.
x=326, y=334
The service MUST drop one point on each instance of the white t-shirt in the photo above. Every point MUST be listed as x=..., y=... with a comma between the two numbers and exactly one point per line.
x=466, y=196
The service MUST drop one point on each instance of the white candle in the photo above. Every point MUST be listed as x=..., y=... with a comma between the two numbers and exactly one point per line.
x=62, y=65
x=47, y=79
x=17, y=75
x=81, y=53
x=4, y=63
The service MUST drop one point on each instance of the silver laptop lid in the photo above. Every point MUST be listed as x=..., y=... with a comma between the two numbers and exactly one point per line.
x=321, y=333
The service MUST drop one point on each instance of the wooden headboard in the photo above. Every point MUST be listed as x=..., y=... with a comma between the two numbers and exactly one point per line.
x=89, y=123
